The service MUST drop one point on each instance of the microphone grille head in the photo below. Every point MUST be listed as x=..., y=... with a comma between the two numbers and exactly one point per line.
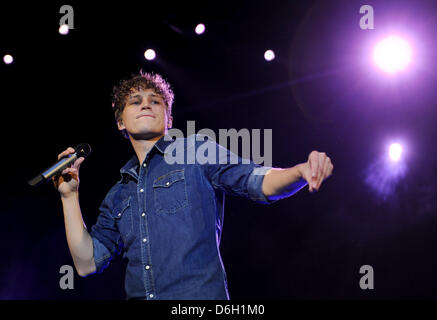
x=83, y=150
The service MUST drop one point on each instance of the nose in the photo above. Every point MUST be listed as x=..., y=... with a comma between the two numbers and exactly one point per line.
x=145, y=106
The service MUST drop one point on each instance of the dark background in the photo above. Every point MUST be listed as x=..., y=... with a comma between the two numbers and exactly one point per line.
x=320, y=93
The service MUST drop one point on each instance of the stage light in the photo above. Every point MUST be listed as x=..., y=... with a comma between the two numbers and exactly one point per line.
x=200, y=28
x=395, y=152
x=384, y=173
x=392, y=54
x=150, y=54
x=8, y=59
x=64, y=29
x=269, y=55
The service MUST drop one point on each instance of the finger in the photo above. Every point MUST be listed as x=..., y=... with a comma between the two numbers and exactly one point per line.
x=319, y=176
x=66, y=152
x=74, y=171
x=329, y=171
x=69, y=170
x=324, y=160
x=324, y=174
x=314, y=164
x=78, y=162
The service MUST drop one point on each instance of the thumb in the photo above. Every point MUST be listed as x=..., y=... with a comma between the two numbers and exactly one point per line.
x=78, y=162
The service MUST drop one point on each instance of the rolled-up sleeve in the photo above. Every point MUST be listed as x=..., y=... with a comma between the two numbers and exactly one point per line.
x=254, y=185
x=107, y=242
x=243, y=178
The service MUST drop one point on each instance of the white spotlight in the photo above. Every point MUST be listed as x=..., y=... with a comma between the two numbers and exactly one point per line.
x=200, y=28
x=8, y=59
x=64, y=29
x=150, y=54
x=269, y=55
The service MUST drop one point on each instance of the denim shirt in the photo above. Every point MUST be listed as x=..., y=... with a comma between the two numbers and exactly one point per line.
x=167, y=220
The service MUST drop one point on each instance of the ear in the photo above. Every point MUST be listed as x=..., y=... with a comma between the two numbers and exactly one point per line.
x=169, y=122
x=120, y=125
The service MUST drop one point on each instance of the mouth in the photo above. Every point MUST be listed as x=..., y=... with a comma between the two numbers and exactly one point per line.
x=145, y=115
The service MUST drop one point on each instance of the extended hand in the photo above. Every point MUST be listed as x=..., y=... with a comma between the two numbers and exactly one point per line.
x=316, y=169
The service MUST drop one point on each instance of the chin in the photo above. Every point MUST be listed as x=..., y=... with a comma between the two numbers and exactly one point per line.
x=146, y=135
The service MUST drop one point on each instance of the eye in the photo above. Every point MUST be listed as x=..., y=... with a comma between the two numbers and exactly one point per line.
x=135, y=102
x=155, y=101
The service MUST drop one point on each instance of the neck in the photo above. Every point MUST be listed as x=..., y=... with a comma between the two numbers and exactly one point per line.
x=142, y=147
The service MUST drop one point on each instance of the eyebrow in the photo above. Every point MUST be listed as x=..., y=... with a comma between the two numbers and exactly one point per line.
x=140, y=96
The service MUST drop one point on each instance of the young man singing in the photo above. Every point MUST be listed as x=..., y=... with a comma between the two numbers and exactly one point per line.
x=167, y=218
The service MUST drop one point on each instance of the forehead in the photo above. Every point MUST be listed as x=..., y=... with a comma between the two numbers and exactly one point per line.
x=143, y=92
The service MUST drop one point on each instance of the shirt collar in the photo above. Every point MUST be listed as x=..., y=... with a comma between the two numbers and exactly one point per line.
x=160, y=145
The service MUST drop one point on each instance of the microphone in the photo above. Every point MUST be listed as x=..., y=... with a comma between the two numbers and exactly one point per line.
x=81, y=150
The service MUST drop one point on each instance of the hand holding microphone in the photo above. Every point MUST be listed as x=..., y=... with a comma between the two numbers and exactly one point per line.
x=67, y=181
x=65, y=172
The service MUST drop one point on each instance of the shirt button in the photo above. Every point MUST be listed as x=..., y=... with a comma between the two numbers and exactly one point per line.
x=144, y=165
x=147, y=267
x=141, y=190
x=144, y=240
x=143, y=214
x=119, y=214
x=167, y=183
x=151, y=295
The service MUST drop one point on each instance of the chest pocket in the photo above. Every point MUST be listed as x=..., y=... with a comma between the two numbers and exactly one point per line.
x=170, y=192
x=122, y=214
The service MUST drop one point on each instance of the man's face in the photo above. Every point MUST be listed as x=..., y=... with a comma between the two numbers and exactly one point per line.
x=145, y=115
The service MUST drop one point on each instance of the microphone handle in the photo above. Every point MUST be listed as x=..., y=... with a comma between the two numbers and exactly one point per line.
x=53, y=170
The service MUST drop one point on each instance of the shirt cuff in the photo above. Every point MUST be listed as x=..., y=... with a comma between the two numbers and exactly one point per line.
x=254, y=185
x=101, y=254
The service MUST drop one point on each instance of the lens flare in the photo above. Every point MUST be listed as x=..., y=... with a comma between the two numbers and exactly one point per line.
x=392, y=54
x=395, y=152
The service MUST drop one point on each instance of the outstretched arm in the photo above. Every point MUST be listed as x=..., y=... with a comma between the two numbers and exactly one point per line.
x=279, y=183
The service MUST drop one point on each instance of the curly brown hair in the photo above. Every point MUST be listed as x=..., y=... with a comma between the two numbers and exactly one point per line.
x=143, y=80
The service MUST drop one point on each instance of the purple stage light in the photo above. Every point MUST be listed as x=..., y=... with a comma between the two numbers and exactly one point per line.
x=385, y=172
x=269, y=55
x=200, y=28
x=150, y=54
x=395, y=152
x=8, y=59
x=392, y=54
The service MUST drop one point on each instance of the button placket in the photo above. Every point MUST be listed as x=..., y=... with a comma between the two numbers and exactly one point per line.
x=142, y=196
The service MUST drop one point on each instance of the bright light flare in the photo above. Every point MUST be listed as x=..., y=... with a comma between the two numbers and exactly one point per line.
x=64, y=29
x=395, y=152
x=392, y=54
x=150, y=54
x=8, y=59
x=269, y=55
x=200, y=28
